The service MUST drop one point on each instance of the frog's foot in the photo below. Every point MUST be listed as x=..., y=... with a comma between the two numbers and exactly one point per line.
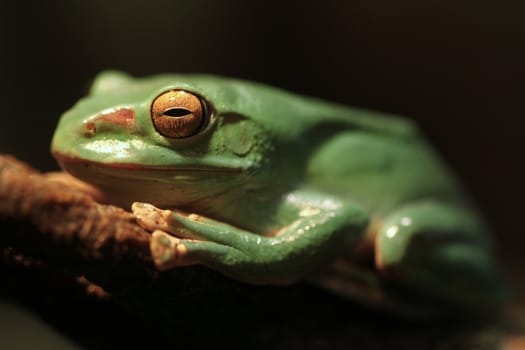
x=150, y=217
x=180, y=224
x=440, y=251
x=167, y=251
x=176, y=242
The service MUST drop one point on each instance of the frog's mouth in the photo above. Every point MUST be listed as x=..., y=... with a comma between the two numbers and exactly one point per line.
x=73, y=165
x=163, y=186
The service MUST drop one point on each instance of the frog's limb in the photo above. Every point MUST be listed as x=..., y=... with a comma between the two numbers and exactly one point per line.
x=319, y=229
x=441, y=251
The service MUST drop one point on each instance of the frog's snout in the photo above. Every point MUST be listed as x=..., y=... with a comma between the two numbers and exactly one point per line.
x=121, y=118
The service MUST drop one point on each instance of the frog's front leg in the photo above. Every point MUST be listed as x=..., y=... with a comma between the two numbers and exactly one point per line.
x=319, y=229
x=440, y=251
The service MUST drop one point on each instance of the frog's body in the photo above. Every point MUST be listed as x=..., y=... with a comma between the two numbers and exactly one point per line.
x=282, y=185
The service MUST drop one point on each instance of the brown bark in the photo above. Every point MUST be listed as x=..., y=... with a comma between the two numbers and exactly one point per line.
x=45, y=219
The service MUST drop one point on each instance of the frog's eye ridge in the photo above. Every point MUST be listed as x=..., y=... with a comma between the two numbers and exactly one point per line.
x=178, y=114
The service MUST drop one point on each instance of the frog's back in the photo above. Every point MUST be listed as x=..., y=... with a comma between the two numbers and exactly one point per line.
x=382, y=161
x=383, y=172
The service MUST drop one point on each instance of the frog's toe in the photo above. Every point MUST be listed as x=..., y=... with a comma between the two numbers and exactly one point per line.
x=167, y=251
x=150, y=217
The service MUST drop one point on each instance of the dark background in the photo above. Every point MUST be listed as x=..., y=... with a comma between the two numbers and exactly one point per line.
x=456, y=67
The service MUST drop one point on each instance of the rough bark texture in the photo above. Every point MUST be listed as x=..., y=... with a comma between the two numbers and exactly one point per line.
x=86, y=268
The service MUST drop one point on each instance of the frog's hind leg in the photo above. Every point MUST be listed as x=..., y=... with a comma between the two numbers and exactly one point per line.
x=442, y=252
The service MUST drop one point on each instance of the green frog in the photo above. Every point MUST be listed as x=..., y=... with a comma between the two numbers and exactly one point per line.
x=269, y=187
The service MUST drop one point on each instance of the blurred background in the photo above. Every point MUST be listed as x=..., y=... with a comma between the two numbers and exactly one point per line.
x=455, y=67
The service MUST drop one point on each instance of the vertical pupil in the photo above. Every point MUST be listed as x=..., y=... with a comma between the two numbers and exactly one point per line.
x=177, y=112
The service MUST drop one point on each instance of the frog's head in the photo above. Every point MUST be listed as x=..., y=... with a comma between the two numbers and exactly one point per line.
x=170, y=139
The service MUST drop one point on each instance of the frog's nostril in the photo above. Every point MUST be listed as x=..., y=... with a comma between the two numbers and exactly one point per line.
x=90, y=129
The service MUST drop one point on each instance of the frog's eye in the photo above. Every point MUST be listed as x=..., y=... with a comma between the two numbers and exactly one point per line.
x=178, y=114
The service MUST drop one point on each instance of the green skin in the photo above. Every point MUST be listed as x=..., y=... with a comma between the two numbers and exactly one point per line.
x=282, y=185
